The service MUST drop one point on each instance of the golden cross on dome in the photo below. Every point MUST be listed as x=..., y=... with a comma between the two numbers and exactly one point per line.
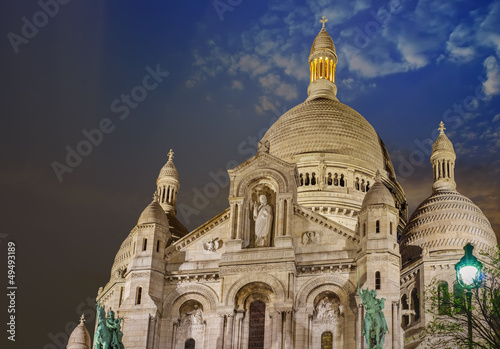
x=441, y=127
x=170, y=155
x=323, y=21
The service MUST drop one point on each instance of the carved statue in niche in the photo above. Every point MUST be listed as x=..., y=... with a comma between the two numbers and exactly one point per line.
x=263, y=217
x=193, y=316
x=327, y=309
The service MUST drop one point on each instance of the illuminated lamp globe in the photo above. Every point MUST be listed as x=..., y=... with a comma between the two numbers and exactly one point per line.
x=469, y=269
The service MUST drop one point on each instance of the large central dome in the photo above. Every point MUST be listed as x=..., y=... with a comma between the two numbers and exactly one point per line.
x=337, y=152
x=327, y=126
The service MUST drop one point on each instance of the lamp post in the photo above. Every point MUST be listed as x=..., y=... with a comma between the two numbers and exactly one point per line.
x=469, y=276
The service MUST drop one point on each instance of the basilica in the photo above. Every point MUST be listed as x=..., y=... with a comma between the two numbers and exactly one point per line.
x=313, y=218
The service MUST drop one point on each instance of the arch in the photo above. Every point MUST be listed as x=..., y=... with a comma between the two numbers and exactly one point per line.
x=138, y=295
x=199, y=292
x=342, y=287
x=443, y=298
x=327, y=340
x=268, y=279
x=378, y=281
x=275, y=178
x=415, y=303
x=190, y=344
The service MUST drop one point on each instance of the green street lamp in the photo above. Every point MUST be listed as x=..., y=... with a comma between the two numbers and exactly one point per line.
x=469, y=276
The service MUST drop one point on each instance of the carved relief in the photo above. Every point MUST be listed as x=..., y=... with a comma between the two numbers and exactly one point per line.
x=212, y=245
x=311, y=238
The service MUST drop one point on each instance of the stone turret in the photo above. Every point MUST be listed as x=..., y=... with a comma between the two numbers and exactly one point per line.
x=168, y=185
x=80, y=337
x=443, y=162
x=379, y=259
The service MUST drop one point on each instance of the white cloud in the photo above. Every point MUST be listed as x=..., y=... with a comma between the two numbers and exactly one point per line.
x=237, y=85
x=491, y=86
x=264, y=105
x=496, y=118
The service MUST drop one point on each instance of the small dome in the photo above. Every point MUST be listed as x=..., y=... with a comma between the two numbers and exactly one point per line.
x=443, y=143
x=378, y=194
x=153, y=213
x=323, y=41
x=79, y=338
x=448, y=220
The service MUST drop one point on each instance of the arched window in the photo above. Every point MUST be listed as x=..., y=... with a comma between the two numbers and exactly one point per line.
x=364, y=229
x=257, y=325
x=357, y=183
x=406, y=318
x=415, y=303
x=301, y=179
x=327, y=340
x=342, y=182
x=443, y=298
x=377, y=227
x=313, y=179
x=363, y=186
x=367, y=185
x=335, y=180
x=330, y=179
x=390, y=228
x=306, y=182
x=145, y=244
x=190, y=344
x=377, y=280
x=458, y=298
x=157, y=245
x=138, y=295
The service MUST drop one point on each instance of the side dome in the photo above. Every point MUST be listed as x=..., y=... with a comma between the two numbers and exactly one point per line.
x=79, y=338
x=447, y=220
x=328, y=126
x=153, y=213
x=378, y=194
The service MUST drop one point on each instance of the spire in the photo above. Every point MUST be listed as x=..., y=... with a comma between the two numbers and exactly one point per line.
x=167, y=185
x=443, y=162
x=322, y=65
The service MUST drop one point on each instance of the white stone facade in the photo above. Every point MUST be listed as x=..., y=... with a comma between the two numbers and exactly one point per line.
x=334, y=222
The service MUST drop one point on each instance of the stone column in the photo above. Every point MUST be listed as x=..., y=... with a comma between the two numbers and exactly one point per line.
x=278, y=330
x=288, y=329
x=229, y=331
x=220, y=339
x=174, y=334
x=279, y=215
x=359, y=328
x=237, y=331
x=395, y=332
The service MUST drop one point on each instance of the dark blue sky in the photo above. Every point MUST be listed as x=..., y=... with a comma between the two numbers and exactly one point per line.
x=222, y=76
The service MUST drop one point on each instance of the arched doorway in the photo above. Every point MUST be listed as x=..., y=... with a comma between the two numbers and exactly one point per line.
x=190, y=344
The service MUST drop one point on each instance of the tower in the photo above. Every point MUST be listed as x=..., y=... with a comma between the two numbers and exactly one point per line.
x=378, y=257
x=443, y=162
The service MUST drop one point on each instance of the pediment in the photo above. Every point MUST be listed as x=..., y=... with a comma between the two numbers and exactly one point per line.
x=323, y=223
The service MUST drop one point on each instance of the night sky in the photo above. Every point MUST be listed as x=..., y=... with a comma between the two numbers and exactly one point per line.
x=207, y=79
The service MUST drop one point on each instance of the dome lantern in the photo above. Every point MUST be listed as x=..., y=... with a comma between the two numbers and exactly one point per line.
x=168, y=185
x=443, y=162
x=322, y=65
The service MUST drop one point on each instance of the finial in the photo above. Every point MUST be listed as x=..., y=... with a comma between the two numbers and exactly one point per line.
x=441, y=128
x=155, y=196
x=323, y=21
x=82, y=320
x=170, y=155
x=378, y=178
